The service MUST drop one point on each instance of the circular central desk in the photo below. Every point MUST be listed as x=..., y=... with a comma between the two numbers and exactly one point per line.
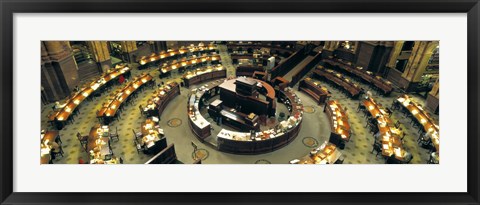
x=236, y=142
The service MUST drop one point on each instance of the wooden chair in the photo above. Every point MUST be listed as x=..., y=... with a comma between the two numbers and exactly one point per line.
x=377, y=147
x=114, y=135
x=83, y=139
x=58, y=154
x=137, y=134
x=397, y=124
x=138, y=146
x=141, y=110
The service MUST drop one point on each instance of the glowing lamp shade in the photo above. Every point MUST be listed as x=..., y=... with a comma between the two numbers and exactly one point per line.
x=423, y=121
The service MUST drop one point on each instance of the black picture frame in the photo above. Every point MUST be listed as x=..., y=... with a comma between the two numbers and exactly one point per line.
x=10, y=7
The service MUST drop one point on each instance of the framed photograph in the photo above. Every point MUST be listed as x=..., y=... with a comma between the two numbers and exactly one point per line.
x=186, y=102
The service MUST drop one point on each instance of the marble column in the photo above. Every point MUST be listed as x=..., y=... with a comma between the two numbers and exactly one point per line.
x=373, y=55
x=59, y=71
x=129, y=51
x=101, y=54
x=417, y=63
x=329, y=47
x=397, y=49
x=158, y=46
x=433, y=97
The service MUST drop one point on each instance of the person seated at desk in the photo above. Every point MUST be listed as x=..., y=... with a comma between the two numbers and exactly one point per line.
x=54, y=148
x=368, y=95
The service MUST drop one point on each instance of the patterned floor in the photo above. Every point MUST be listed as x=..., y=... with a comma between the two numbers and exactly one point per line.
x=315, y=130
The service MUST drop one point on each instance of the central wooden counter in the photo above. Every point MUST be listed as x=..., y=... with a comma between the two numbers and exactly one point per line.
x=268, y=140
x=246, y=142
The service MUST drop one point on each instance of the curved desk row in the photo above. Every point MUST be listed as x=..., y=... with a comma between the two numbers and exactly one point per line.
x=423, y=118
x=204, y=74
x=61, y=116
x=154, y=57
x=377, y=81
x=268, y=140
x=390, y=136
x=353, y=89
x=110, y=108
x=338, y=119
x=161, y=98
x=284, y=51
x=166, y=68
x=313, y=88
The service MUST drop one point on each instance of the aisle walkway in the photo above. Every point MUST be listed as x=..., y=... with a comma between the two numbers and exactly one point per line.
x=226, y=60
x=298, y=67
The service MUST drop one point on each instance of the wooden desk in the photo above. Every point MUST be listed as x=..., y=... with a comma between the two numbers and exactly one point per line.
x=263, y=141
x=98, y=143
x=282, y=83
x=49, y=136
x=72, y=103
x=338, y=119
x=198, y=124
x=249, y=103
x=165, y=68
x=248, y=70
x=151, y=133
x=204, y=74
x=154, y=57
x=110, y=108
x=327, y=153
x=353, y=89
x=348, y=67
x=423, y=118
x=389, y=135
x=314, y=90
x=239, y=121
x=161, y=98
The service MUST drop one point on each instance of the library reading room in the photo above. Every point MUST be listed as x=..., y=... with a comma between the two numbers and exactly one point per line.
x=240, y=102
